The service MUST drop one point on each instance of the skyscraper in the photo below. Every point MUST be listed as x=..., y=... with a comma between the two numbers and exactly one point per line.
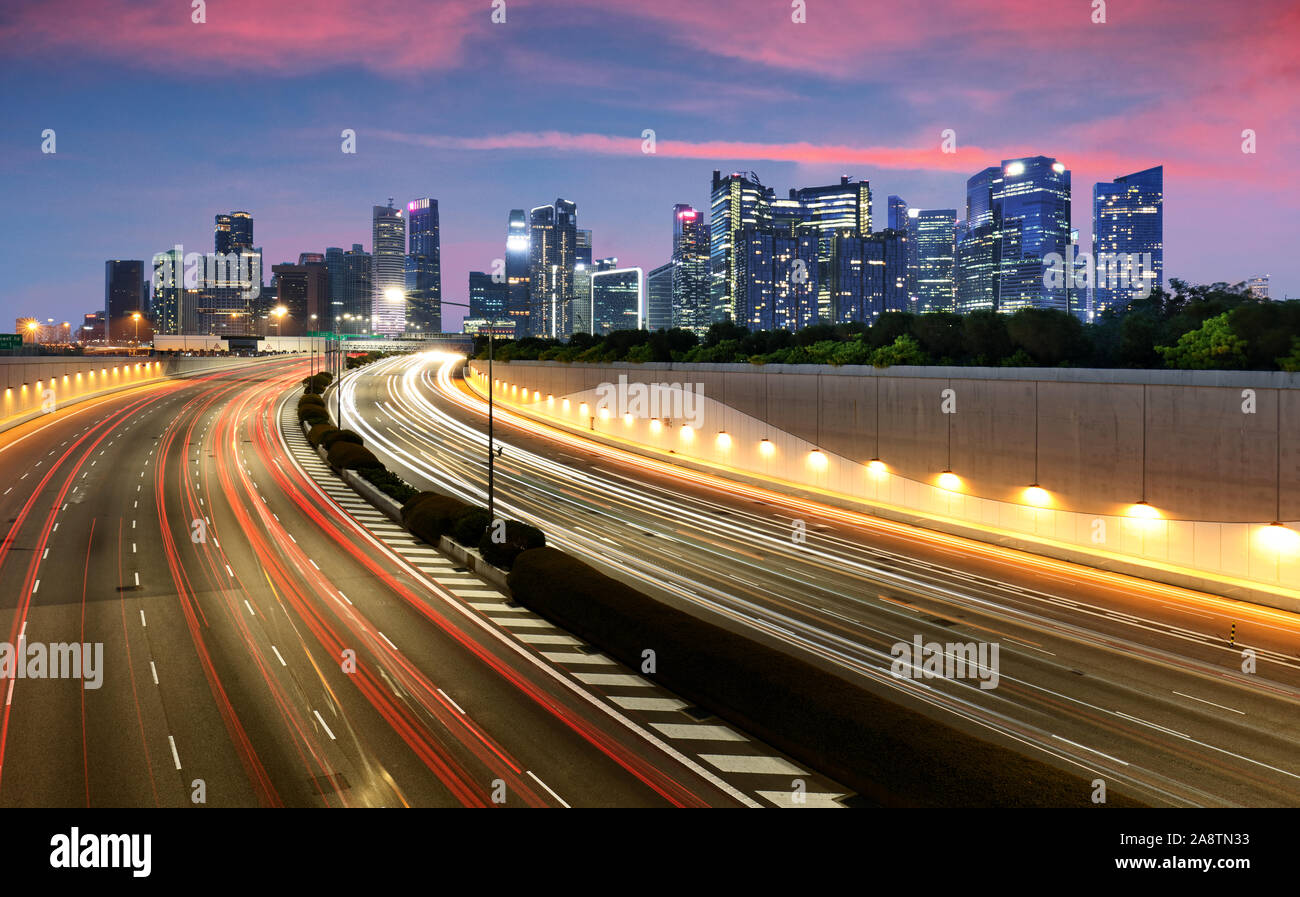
x=930, y=244
x=488, y=299
x=617, y=300
x=659, y=298
x=736, y=201
x=123, y=297
x=690, y=300
x=517, y=264
x=553, y=245
x=869, y=275
x=1031, y=207
x=897, y=213
x=823, y=213
x=582, y=255
x=388, y=265
x=303, y=290
x=1128, y=222
x=423, y=268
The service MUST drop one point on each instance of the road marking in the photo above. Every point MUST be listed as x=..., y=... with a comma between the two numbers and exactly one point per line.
x=36, y=588
x=278, y=657
x=313, y=563
x=649, y=703
x=322, y=722
x=387, y=639
x=450, y=701
x=175, y=756
x=548, y=789
x=1211, y=703
x=10, y=696
x=759, y=765
x=611, y=679
x=1090, y=750
x=698, y=732
x=344, y=597
x=250, y=607
x=137, y=577
x=154, y=670
x=229, y=572
x=142, y=622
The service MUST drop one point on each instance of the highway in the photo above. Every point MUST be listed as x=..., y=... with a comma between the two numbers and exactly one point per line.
x=232, y=589
x=1105, y=675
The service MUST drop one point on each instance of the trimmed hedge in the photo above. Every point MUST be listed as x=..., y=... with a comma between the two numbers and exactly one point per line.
x=317, y=382
x=430, y=515
x=337, y=435
x=468, y=528
x=313, y=414
x=385, y=481
x=519, y=537
x=350, y=456
x=316, y=435
x=889, y=753
x=310, y=398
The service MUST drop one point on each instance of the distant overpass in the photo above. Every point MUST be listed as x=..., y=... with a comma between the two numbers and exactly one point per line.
x=453, y=342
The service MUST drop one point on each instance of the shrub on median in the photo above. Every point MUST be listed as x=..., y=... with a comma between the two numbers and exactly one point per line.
x=430, y=515
x=386, y=482
x=313, y=414
x=500, y=546
x=468, y=528
x=316, y=383
x=316, y=435
x=337, y=435
x=350, y=456
x=310, y=398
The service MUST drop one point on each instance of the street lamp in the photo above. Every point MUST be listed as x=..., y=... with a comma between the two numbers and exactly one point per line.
x=491, y=405
x=135, y=317
x=278, y=313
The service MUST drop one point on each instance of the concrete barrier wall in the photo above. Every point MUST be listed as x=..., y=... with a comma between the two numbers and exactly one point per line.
x=31, y=386
x=1215, y=455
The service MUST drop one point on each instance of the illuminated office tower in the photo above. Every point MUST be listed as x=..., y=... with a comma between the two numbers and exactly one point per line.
x=825, y=212
x=1127, y=223
x=423, y=268
x=869, y=276
x=388, y=271
x=488, y=299
x=350, y=289
x=659, y=298
x=617, y=300
x=582, y=254
x=690, y=307
x=517, y=270
x=931, y=252
x=553, y=243
x=736, y=201
x=1031, y=209
x=898, y=217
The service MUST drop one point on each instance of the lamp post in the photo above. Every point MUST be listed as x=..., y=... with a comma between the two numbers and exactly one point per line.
x=136, y=318
x=278, y=313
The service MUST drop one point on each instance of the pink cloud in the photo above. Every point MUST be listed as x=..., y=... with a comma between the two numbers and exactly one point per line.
x=381, y=35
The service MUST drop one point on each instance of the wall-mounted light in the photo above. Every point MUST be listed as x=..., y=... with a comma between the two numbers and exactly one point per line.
x=724, y=441
x=1279, y=538
x=817, y=459
x=1143, y=511
x=766, y=448
x=876, y=467
x=950, y=481
x=1037, y=496
x=687, y=433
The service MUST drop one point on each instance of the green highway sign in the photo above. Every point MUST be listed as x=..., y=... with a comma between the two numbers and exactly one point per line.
x=11, y=341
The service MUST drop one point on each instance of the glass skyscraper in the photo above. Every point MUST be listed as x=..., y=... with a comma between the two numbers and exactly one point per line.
x=736, y=201
x=423, y=268
x=869, y=275
x=1031, y=206
x=930, y=244
x=388, y=272
x=1127, y=220
x=123, y=297
x=897, y=213
x=659, y=298
x=690, y=300
x=488, y=299
x=517, y=270
x=617, y=300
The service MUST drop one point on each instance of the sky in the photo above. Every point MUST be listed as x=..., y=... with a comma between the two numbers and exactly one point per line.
x=160, y=123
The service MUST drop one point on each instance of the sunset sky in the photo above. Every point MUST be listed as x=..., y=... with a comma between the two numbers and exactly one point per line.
x=162, y=123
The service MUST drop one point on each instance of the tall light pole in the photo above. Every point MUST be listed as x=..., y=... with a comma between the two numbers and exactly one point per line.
x=136, y=318
x=491, y=439
x=278, y=313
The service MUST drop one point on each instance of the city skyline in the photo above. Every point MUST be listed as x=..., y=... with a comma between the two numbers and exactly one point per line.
x=764, y=105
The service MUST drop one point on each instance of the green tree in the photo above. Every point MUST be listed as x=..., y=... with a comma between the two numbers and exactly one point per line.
x=904, y=350
x=1213, y=345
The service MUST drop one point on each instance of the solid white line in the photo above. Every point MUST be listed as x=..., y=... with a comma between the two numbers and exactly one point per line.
x=249, y=606
x=313, y=563
x=154, y=670
x=387, y=639
x=548, y=788
x=1088, y=749
x=1211, y=703
x=344, y=597
x=453, y=703
x=175, y=756
x=323, y=723
x=278, y=657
